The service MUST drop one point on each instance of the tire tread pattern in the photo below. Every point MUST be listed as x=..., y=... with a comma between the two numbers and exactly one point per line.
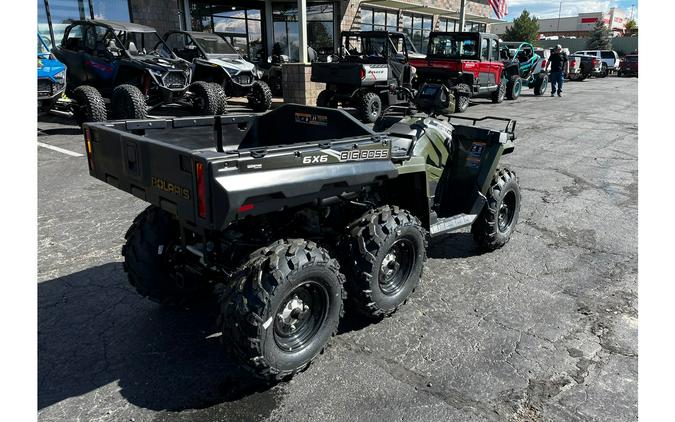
x=366, y=237
x=254, y=284
x=485, y=229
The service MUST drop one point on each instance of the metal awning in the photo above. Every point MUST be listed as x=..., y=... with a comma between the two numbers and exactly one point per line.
x=472, y=18
x=416, y=6
x=408, y=6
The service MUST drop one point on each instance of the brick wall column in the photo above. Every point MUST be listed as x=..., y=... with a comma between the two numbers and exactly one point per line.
x=298, y=88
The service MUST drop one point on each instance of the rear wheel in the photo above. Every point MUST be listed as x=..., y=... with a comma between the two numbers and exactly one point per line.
x=260, y=97
x=513, y=87
x=541, y=84
x=287, y=303
x=153, y=258
x=369, y=106
x=385, y=257
x=500, y=93
x=128, y=102
x=326, y=98
x=89, y=106
x=495, y=224
x=604, y=72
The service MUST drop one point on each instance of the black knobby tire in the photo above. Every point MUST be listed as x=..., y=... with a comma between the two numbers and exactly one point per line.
x=326, y=98
x=495, y=224
x=252, y=315
x=462, y=98
x=513, y=87
x=369, y=106
x=377, y=284
x=150, y=255
x=221, y=96
x=541, y=84
x=499, y=94
x=205, y=101
x=128, y=102
x=260, y=97
x=90, y=106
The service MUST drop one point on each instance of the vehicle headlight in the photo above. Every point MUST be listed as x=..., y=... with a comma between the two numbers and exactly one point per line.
x=60, y=77
x=157, y=73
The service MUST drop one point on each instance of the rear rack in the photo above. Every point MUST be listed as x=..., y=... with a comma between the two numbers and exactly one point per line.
x=510, y=123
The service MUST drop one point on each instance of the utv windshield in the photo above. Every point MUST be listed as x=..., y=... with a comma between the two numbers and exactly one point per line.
x=41, y=46
x=214, y=45
x=453, y=46
x=144, y=43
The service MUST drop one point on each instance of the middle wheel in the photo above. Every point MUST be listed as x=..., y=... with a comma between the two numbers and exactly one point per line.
x=387, y=251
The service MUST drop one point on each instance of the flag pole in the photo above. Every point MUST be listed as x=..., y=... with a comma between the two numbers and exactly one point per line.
x=462, y=15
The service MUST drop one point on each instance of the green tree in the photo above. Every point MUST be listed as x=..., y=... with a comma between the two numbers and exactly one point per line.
x=600, y=37
x=524, y=28
x=631, y=25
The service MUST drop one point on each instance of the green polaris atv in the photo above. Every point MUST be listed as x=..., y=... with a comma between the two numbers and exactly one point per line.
x=522, y=67
x=287, y=227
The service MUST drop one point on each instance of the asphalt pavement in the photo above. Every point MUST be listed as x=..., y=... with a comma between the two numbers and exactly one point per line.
x=544, y=329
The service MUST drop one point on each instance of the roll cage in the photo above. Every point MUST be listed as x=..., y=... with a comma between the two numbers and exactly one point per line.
x=353, y=45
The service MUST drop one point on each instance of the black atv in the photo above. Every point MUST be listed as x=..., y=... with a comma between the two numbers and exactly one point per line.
x=284, y=226
x=369, y=65
x=130, y=65
x=215, y=60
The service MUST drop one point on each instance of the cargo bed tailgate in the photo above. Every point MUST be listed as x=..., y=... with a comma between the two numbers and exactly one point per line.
x=161, y=174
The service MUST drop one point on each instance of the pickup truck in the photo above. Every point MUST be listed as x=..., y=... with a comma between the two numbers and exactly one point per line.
x=281, y=224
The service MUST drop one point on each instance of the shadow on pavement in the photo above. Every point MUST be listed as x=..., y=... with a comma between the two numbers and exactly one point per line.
x=93, y=330
x=453, y=245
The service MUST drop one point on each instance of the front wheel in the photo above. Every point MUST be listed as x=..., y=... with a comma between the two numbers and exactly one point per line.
x=207, y=100
x=500, y=93
x=541, y=84
x=385, y=255
x=286, y=305
x=369, y=106
x=260, y=97
x=513, y=87
x=495, y=224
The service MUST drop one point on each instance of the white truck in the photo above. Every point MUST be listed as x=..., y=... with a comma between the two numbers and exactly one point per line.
x=609, y=58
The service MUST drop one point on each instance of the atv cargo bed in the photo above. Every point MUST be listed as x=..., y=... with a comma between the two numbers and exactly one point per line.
x=209, y=171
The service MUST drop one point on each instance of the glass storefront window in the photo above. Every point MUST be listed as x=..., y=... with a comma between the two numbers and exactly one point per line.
x=320, y=30
x=116, y=10
x=418, y=27
x=379, y=19
x=43, y=23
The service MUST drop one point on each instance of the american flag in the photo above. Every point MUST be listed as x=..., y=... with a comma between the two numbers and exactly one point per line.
x=500, y=8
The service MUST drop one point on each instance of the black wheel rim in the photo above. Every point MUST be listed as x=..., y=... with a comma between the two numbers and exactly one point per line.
x=507, y=210
x=300, y=316
x=374, y=109
x=396, y=266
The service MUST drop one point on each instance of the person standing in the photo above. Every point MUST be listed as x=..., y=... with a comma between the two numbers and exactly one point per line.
x=557, y=63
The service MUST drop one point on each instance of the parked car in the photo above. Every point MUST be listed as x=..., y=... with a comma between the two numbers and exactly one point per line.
x=129, y=66
x=609, y=58
x=465, y=62
x=369, y=64
x=51, y=76
x=215, y=60
x=628, y=66
x=519, y=59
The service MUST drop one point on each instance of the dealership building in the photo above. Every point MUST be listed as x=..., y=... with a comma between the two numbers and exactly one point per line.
x=575, y=26
x=255, y=26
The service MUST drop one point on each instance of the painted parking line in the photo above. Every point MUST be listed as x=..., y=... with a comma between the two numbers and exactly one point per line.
x=61, y=150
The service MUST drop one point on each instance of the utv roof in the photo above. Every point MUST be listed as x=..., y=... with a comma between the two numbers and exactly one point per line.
x=119, y=26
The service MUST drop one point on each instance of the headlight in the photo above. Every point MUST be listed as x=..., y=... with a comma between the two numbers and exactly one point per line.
x=156, y=72
x=60, y=77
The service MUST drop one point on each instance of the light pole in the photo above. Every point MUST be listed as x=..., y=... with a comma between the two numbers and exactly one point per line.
x=462, y=14
x=559, y=10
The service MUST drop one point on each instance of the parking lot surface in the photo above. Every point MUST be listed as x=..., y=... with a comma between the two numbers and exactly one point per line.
x=542, y=329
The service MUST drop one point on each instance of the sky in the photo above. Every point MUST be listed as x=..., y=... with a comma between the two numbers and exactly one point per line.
x=549, y=8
